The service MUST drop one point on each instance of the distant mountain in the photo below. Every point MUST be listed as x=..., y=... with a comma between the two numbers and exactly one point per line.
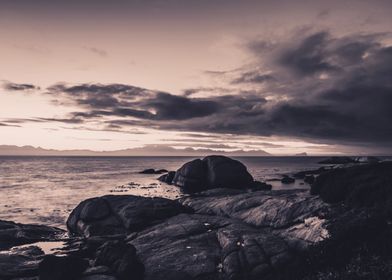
x=304, y=154
x=148, y=150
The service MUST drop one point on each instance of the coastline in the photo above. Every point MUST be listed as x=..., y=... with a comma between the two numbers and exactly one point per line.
x=253, y=233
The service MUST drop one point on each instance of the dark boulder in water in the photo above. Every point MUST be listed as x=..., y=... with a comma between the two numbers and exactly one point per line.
x=192, y=176
x=224, y=172
x=358, y=186
x=153, y=171
x=110, y=214
x=287, y=180
x=212, y=172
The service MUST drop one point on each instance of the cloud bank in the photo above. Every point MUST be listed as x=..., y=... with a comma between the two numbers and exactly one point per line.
x=314, y=86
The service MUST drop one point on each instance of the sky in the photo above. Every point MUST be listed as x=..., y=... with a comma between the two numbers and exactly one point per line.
x=282, y=76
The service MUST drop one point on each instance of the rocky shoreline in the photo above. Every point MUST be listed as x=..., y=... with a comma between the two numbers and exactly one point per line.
x=228, y=227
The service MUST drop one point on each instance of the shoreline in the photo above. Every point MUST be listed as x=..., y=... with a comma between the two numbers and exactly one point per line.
x=273, y=232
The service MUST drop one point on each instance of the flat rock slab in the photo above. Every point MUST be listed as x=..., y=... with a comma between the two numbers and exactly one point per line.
x=12, y=234
x=120, y=214
x=275, y=209
x=192, y=246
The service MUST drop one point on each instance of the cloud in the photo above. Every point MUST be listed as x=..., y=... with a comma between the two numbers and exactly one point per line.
x=9, y=125
x=128, y=101
x=253, y=77
x=310, y=56
x=314, y=86
x=97, y=51
x=19, y=87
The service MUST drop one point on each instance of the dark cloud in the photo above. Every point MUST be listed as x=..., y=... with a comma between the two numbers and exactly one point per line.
x=19, y=87
x=310, y=56
x=253, y=77
x=172, y=107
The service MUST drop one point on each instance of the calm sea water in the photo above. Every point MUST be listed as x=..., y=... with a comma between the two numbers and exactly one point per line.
x=45, y=189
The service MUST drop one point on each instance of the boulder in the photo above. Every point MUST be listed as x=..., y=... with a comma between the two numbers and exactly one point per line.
x=287, y=180
x=119, y=214
x=61, y=268
x=192, y=176
x=12, y=234
x=121, y=258
x=224, y=172
x=168, y=177
x=212, y=172
x=365, y=185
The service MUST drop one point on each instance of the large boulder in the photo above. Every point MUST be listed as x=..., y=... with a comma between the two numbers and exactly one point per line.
x=119, y=214
x=212, y=172
x=358, y=186
x=192, y=176
x=224, y=172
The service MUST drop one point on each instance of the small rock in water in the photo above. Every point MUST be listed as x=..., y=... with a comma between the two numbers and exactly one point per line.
x=287, y=180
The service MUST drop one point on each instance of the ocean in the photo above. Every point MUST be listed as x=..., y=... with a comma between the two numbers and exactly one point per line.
x=44, y=190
